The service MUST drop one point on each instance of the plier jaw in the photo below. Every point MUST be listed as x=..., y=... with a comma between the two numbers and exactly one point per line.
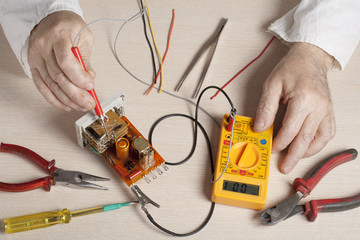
x=77, y=179
x=279, y=212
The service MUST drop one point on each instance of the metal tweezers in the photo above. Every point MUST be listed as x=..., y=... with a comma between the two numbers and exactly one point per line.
x=211, y=42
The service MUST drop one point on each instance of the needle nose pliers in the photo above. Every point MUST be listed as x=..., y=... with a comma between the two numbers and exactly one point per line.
x=289, y=207
x=69, y=178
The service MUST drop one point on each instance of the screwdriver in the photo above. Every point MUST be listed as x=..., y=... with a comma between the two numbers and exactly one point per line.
x=98, y=110
x=47, y=219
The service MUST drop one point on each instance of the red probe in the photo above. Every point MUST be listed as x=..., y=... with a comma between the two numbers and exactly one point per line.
x=98, y=110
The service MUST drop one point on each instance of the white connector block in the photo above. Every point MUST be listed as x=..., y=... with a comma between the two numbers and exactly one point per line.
x=115, y=103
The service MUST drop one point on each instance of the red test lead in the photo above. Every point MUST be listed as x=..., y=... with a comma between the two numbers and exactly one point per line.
x=231, y=120
x=98, y=110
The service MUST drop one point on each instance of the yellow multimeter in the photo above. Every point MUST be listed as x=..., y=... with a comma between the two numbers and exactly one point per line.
x=244, y=183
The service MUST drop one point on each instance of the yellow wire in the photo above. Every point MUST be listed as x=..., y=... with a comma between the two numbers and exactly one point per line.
x=157, y=51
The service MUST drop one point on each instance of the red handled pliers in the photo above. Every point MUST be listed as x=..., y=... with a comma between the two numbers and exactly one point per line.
x=69, y=178
x=289, y=207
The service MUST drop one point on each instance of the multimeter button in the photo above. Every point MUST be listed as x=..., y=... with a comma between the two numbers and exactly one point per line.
x=245, y=155
x=263, y=141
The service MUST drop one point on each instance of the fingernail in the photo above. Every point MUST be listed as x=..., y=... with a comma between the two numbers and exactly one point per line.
x=286, y=169
x=88, y=105
x=259, y=124
x=92, y=73
x=89, y=86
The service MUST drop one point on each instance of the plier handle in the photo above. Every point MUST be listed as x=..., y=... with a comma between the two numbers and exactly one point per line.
x=303, y=188
x=312, y=208
x=55, y=174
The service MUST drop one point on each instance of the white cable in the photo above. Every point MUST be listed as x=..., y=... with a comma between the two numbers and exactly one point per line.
x=149, y=85
x=125, y=21
x=230, y=144
x=139, y=14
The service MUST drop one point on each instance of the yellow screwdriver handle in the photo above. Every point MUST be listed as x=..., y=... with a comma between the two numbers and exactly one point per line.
x=34, y=221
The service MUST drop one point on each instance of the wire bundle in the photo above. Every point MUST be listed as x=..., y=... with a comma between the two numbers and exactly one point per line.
x=161, y=59
x=166, y=51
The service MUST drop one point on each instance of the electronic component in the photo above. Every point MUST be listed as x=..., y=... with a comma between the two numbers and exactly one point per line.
x=99, y=138
x=133, y=157
x=114, y=103
x=244, y=183
x=124, y=148
x=144, y=153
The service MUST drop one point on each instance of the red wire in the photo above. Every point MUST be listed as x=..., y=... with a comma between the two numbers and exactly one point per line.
x=243, y=69
x=166, y=51
x=152, y=86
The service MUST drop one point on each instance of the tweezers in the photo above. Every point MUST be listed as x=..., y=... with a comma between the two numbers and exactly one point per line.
x=211, y=42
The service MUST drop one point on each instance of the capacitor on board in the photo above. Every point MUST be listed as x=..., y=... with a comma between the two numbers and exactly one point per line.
x=122, y=148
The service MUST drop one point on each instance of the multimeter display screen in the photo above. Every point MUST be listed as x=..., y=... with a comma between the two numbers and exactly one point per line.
x=241, y=187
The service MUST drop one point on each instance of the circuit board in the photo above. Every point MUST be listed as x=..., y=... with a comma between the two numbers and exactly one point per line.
x=133, y=157
x=124, y=148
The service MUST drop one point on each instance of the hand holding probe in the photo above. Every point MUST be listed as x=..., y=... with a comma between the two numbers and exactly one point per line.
x=47, y=219
x=98, y=110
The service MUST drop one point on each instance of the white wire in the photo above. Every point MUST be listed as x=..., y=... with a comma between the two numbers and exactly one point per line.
x=149, y=85
x=125, y=21
x=230, y=144
x=139, y=14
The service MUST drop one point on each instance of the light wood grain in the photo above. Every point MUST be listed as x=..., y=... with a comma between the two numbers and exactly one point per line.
x=184, y=191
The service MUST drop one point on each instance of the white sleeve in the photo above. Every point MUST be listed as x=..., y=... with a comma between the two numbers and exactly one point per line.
x=19, y=17
x=332, y=25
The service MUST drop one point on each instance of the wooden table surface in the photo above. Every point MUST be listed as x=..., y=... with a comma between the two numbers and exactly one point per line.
x=184, y=191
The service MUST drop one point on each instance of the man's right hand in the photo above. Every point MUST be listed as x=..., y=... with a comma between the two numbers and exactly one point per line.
x=299, y=81
x=56, y=72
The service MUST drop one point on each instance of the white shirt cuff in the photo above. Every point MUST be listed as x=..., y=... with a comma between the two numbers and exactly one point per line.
x=18, y=18
x=332, y=25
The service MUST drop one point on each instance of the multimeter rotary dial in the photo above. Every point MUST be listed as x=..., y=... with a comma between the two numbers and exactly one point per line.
x=245, y=155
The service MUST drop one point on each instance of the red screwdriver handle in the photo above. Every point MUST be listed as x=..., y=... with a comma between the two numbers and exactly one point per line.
x=98, y=109
x=306, y=186
x=45, y=182
x=27, y=153
x=330, y=205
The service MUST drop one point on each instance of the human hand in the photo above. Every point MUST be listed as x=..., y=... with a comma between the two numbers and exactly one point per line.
x=56, y=72
x=299, y=81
